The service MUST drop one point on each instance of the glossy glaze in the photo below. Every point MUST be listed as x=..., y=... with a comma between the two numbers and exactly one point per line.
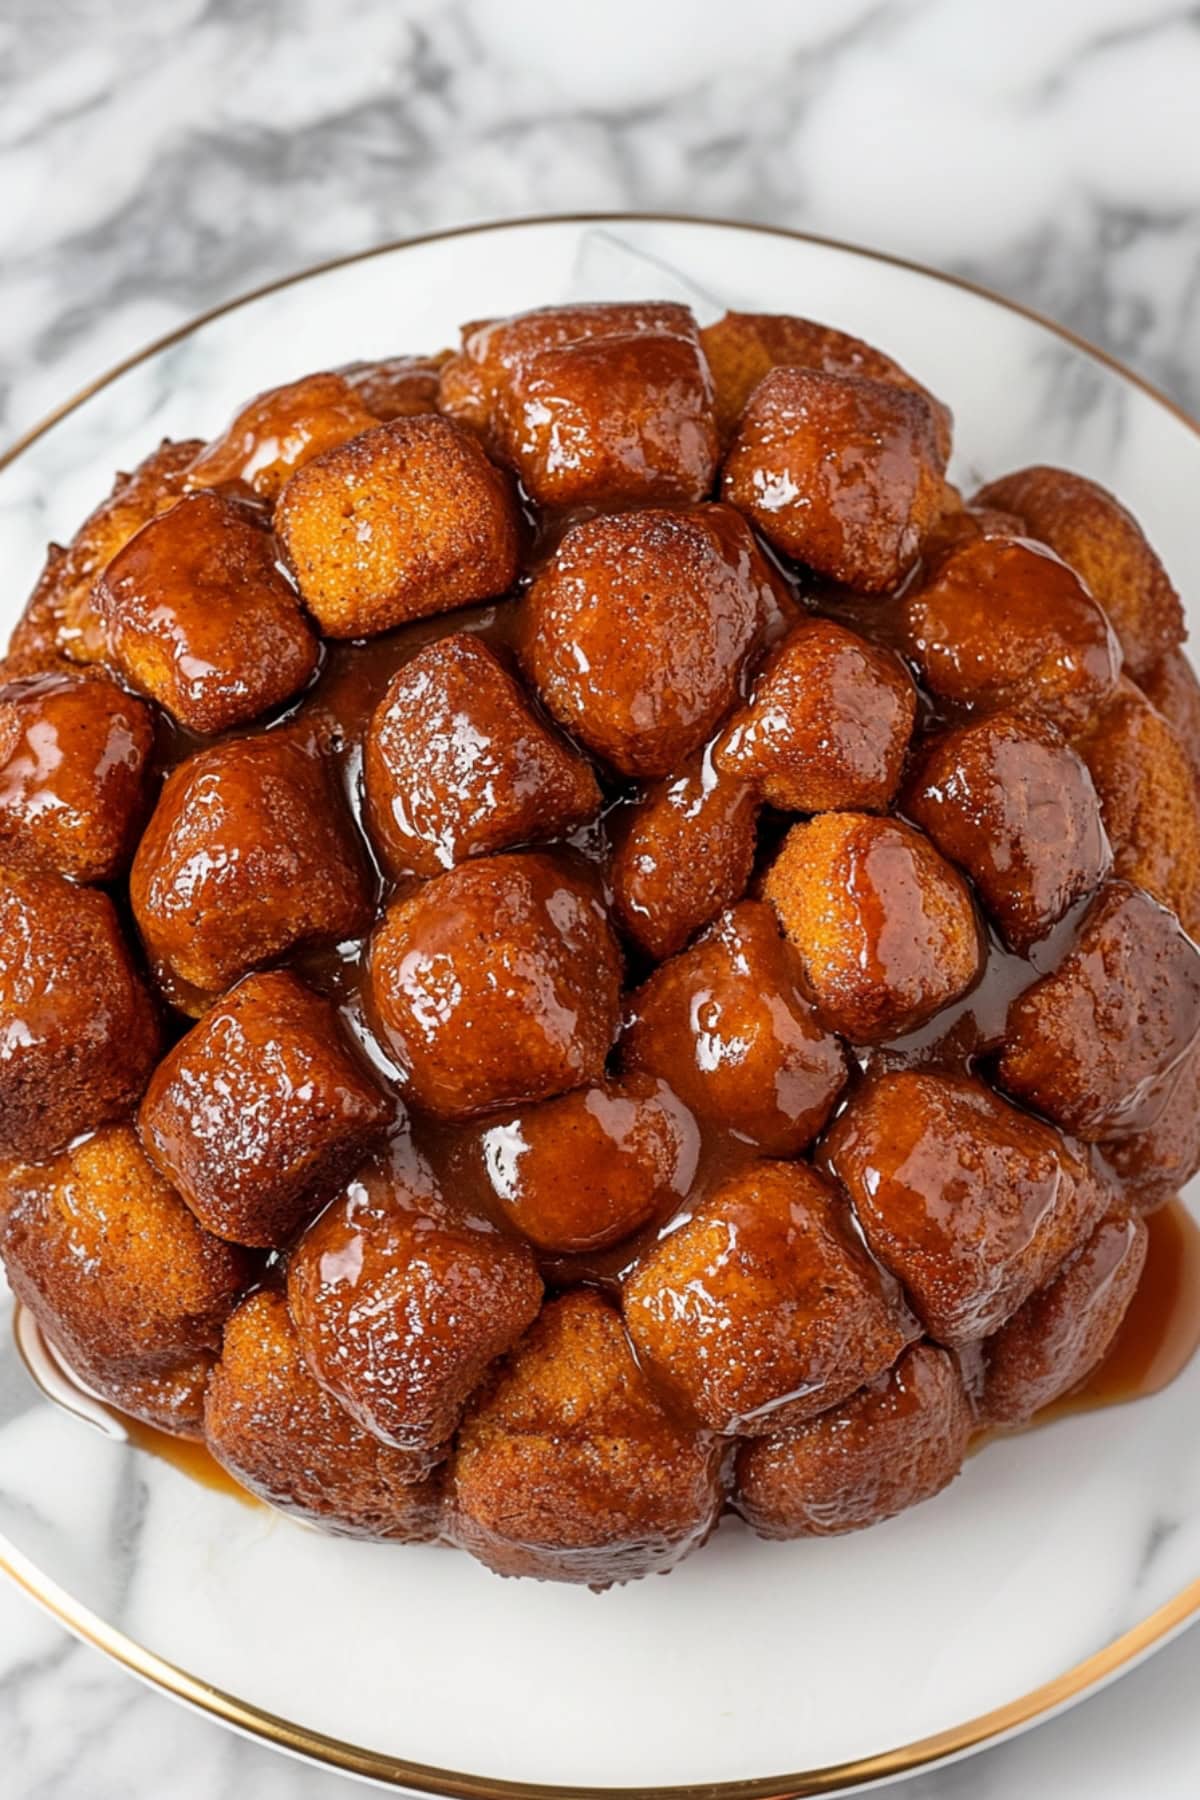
x=456, y=764
x=842, y=472
x=1005, y=623
x=828, y=724
x=638, y=630
x=74, y=756
x=885, y=929
x=198, y=615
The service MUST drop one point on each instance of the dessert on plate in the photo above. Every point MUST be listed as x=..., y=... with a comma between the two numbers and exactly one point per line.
x=585, y=944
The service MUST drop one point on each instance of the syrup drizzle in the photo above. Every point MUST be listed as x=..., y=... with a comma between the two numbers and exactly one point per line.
x=1160, y=1333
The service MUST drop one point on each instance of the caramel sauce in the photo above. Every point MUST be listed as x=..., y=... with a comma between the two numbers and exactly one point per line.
x=1160, y=1333
x=53, y=1375
x=189, y=1456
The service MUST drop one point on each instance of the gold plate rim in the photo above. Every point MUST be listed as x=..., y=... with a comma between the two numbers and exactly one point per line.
x=284, y=1734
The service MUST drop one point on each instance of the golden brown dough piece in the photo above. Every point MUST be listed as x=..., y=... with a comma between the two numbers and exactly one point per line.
x=1015, y=807
x=612, y=421
x=763, y=1309
x=743, y=347
x=73, y=753
x=1098, y=1044
x=197, y=615
x=1090, y=529
x=1172, y=689
x=680, y=855
x=477, y=380
x=971, y=1203
x=1004, y=624
x=60, y=618
x=78, y=1031
x=894, y=1443
x=248, y=854
x=288, y=1441
x=1155, y=1164
x=840, y=472
x=728, y=1026
x=583, y=1171
x=281, y=430
x=112, y=1264
x=567, y=1467
x=496, y=984
x=406, y=520
x=396, y=387
x=171, y=1400
x=258, y=1112
x=1062, y=1332
x=35, y=647
x=400, y=1308
x=457, y=764
x=885, y=929
x=637, y=630
x=1149, y=799
x=827, y=725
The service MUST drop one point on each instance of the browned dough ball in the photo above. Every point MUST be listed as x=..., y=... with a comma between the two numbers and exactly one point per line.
x=73, y=755
x=406, y=520
x=1149, y=800
x=743, y=347
x=477, y=381
x=1003, y=623
x=611, y=421
x=280, y=430
x=397, y=387
x=60, y=620
x=893, y=1444
x=827, y=725
x=1172, y=689
x=249, y=854
x=259, y=1110
x=1097, y=1044
x=457, y=764
x=197, y=615
x=727, y=1024
x=583, y=1171
x=401, y=1306
x=971, y=1203
x=496, y=984
x=79, y=1033
x=1013, y=805
x=112, y=1264
x=763, y=1308
x=1064, y=1331
x=841, y=472
x=289, y=1442
x=637, y=631
x=681, y=854
x=1156, y=1164
x=885, y=929
x=568, y=1469
x=1090, y=529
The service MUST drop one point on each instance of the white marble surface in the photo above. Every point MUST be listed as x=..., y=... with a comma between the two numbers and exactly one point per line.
x=1051, y=150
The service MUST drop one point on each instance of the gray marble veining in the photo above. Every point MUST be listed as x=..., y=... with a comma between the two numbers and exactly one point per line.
x=156, y=161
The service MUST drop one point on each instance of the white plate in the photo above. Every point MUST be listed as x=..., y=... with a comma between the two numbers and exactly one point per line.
x=1079, y=1544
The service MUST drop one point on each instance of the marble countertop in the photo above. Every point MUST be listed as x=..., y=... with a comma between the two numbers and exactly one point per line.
x=154, y=163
